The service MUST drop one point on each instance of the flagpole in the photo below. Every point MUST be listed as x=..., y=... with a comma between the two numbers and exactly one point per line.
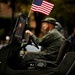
x=29, y=13
x=30, y=10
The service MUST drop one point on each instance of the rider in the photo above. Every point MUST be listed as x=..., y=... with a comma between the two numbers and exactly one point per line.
x=71, y=38
x=50, y=42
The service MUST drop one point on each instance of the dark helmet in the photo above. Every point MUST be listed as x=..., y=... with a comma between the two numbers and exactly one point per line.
x=58, y=26
x=50, y=20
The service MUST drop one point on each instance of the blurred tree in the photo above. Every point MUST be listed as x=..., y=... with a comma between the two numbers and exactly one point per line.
x=38, y=18
x=63, y=11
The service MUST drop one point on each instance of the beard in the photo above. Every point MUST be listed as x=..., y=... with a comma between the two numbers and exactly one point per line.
x=44, y=31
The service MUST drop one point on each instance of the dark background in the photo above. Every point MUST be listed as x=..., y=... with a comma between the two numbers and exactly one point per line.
x=63, y=11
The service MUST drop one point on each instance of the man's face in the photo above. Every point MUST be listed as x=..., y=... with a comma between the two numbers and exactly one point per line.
x=44, y=27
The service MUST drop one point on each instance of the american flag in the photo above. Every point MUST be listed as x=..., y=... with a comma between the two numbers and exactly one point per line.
x=42, y=6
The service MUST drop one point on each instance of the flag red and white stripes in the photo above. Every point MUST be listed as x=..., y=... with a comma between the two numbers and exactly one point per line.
x=45, y=7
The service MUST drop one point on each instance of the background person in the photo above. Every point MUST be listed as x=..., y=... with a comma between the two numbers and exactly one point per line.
x=59, y=28
x=71, y=38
